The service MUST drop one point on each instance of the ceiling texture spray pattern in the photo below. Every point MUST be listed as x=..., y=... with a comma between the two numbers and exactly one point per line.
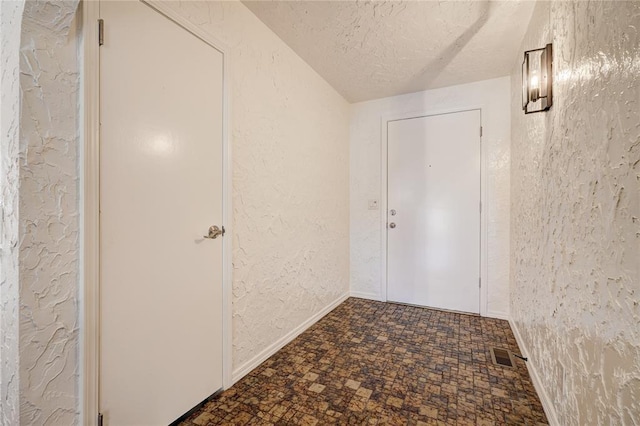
x=375, y=49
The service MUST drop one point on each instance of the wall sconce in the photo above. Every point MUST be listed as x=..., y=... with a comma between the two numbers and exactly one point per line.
x=537, y=80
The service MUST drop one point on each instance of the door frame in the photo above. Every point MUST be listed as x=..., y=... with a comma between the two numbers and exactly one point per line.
x=89, y=352
x=384, y=174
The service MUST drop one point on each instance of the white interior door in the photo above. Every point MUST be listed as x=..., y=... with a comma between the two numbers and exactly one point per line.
x=161, y=106
x=433, y=232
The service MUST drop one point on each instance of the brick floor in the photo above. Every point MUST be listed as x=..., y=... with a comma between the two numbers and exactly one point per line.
x=379, y=363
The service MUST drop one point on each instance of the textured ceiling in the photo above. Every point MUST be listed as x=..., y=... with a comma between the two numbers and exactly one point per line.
x=373, y=49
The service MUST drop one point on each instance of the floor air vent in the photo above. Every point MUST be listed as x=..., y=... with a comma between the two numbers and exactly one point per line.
x=501, y=357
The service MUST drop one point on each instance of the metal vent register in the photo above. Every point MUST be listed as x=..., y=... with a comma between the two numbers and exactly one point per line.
x=502, y=357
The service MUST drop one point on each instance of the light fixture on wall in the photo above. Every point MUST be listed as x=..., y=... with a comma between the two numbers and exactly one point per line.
x=537, y=80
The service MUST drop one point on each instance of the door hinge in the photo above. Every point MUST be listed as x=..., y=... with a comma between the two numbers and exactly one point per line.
x=480, y=282
x=100, y=419
x=480, y=131
x=100, y=32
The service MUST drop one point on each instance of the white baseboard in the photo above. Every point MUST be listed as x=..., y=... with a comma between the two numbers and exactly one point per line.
x=369, y=296
x=547, y=404
x=248, y=366
x=498, y=315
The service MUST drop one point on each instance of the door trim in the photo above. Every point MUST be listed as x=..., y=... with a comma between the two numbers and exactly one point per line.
x=90, y=190
x=384, y=143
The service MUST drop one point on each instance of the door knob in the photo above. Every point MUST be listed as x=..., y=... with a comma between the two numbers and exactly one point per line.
x=392, y=225
x=214, y=231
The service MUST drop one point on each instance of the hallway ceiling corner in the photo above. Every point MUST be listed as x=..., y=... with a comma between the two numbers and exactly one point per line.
x=374, y=49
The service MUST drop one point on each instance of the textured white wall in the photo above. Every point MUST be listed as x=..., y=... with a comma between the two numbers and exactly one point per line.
x=290, y=142
x=49, y=210
x=575, y=264
x=10, y=25
x=365, y=158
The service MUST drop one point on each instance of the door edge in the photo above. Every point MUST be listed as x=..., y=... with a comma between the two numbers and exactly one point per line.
x=89, y=215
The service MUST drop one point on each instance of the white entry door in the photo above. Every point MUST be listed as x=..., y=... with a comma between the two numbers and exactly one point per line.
x=433, y=231
x=161, y=106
